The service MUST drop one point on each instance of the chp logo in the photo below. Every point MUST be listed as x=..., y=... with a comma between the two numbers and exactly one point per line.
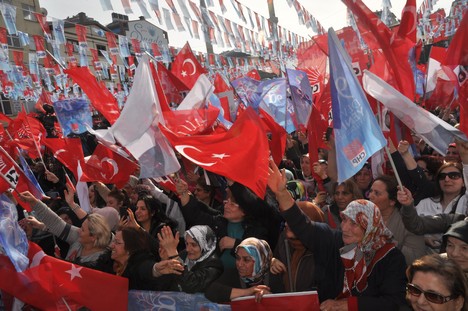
x=355, y=152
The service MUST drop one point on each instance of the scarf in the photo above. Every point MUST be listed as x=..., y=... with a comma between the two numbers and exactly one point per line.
x=205, y=238
x=260, y=252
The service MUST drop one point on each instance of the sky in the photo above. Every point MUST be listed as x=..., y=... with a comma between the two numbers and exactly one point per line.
x=330, y=13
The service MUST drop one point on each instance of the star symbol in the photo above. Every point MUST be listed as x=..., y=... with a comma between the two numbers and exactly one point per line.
x=74, y=272
x=183, y=73
x=220, y=155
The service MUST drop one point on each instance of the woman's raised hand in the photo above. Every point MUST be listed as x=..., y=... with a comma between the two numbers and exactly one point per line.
x=404, y=196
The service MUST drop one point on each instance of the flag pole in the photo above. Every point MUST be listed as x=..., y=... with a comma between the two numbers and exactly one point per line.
x=397, y=176
x=56, y=60
x=35, y=142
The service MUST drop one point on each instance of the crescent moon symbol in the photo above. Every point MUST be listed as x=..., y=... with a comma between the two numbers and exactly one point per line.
x=181, y=150
x=410, y=10
x=58, y=152
x=114, y=166
x=188, y=60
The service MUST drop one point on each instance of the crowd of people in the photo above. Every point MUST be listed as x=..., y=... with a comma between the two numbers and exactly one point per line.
x=363, y=244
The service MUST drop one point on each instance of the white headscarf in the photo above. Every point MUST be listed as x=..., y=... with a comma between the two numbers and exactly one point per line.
x=205, y=238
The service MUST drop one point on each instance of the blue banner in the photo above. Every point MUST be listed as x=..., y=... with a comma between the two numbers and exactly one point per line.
x=301, y=94
x=73, y=115
x=357, y=134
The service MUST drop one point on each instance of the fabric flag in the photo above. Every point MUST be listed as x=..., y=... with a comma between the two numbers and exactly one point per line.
x=142, y=107
x=457, y=52
x=436, y=133
x=13, y=239
x=9, y=174
x=191, y=122
x=49, y=281
x=220, y=153
x=32, y=185
x=357, y=134
x=81, y=34
x=409, y=23
x=302, y=301
x=198, y=95
x=186, y=67
x=59, y=31
x=246, y=89
x=301, y=94
x=42, y=20
x=171, y=84
x=113, y=49
x=82, y=191
x=220, y=84
x=74, y=115
x=254, y=74
x=9, y=17
x=107, y=166
x=27, y=132
x=67, y=150
x=40, y=48
x=436, y=58
x=278, y=136
x=100, y=97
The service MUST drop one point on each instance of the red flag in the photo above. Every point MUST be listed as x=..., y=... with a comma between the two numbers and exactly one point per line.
x=27, y=133
x=9, y=173
x=42, y=20
x=67, y=150
x=409, y=21
x=50, y=282
x=220, y=153
x=278, y=136
x=300, y=301
x=186, y=66
x=107, y=166
x=100, y=97
x=171, y=84
x=220, y=84
x=457, y=52
x=191, y=122
x=253, y=74
x=81, y=33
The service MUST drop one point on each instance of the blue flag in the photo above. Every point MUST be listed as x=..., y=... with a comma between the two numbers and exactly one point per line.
x=12, y=238
x=357, y=133
x=73, y=115
x=33, y=184
x=246, y=89
x=301, y=94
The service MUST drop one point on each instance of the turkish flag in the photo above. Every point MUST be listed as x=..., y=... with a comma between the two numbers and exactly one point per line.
x=191, y=121
x=278, y=136
x=238, y=154
x=220, y=84
x=299, y=301
x=99, y=95
x=186, y=66
x=67, y=150
x=49, y=283
x=171, y=84
x=107, y=166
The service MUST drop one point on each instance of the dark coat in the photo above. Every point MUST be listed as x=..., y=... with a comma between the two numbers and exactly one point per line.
x=385, y=285
x=200, y=276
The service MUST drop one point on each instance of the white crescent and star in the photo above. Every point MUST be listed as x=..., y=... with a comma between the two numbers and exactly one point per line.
x=74, y=272
x=181, y=150
x=115, y=167
x=58, y=152
x=194, y=69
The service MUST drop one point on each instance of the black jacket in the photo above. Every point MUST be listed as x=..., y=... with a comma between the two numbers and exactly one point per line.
x=200, y=276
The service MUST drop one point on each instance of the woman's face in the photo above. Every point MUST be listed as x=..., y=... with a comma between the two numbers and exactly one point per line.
x=113, y=202
x=85, y=236
x=422, y=164
x=352, y=232
x=305, y=166
x=119, y=253
x=201, y=194
x=232, y=211
x=342, y=197
x=244, y=263
x=379, y=196
x=193, y=249
x=91, y=195
x=449, y=185
x=142, y=214
x=363, y=178
x=458, y=251
x=431, y=282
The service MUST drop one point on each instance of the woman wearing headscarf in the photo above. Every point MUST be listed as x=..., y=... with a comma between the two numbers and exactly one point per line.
x=201, y=265
x=253, y=258
x=363, y=268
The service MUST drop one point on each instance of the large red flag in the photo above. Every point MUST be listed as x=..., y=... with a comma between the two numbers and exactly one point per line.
x=191, y=121
x=278, y=136
x=186, y=66
x=409, y=21
x=67, y=150
x=171, y=84
x=27, y=133
x=220, y=84
x=107, y=166
x=53, y=284
x=457, y=52
x=99, y=95
x=299, y=301
x=240, y=154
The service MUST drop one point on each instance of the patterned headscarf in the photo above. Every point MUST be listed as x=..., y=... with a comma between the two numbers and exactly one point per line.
x=260, y=252
x=205, y=238
x=359, y=258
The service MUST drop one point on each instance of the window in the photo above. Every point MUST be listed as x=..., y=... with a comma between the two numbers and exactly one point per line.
x=28, y=12
x=101, y=47
x=76, y=47
x=5, y=105
x=13, y=41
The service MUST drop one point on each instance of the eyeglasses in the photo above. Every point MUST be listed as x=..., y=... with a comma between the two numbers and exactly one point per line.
x=451, y=175
x=430, y=296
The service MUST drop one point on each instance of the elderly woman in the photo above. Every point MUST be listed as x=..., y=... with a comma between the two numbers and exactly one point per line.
x=201, y=265
x=253, y=258
x=134, y=259
x=363, y=268
x=436, y=283
x=88, y=244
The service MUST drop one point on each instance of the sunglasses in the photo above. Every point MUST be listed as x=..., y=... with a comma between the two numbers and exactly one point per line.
x=430, y=296
x=451, y=175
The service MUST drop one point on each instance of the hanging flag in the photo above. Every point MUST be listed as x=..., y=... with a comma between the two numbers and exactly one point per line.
x=178, y=22
x=198, y=95
x=81, y=34
x=74, y=115
x=171, y=84
x=143, y=9
x=100, y=97
x=219, y=153
x=106, y=5
x=186, y=66
x=40, y=48
x=113, y=49
x=9, y=17
x=127, y=7
x=409, y=23
x=357, y=133
x=42, y=20
x=123, y=46
x=167, y=19
x=59, y=31
x=436, y=133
